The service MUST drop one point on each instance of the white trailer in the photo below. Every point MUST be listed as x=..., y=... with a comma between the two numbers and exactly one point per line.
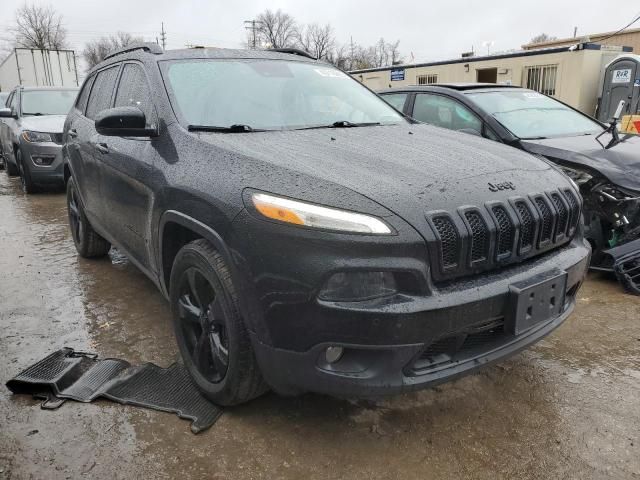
x=38, y=68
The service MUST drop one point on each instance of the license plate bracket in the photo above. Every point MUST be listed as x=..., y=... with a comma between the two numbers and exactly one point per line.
x=535, y=300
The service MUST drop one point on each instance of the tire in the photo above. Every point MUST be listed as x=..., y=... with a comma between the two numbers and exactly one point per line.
x=89, y=244
x=210, y=332
x=25, y=174
x=10, y=168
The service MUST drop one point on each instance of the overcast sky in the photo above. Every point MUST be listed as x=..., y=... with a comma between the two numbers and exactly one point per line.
x=430, y=29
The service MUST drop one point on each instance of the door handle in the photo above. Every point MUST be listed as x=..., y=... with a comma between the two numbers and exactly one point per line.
x=72, y=133
x=102, y=147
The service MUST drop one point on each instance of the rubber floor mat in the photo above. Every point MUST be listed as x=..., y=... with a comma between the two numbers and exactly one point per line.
x=67, y=374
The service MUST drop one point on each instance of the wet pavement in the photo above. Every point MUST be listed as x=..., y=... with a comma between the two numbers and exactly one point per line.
x=567, y=408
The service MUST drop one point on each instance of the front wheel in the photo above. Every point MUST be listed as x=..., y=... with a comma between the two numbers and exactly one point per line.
x=88, y=243
x=10, y=168
x=25, y=174
x=210, y=331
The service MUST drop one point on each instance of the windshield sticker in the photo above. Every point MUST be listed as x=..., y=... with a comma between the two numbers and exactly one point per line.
x=532, y=95
x=329, y=72
x=637, y=82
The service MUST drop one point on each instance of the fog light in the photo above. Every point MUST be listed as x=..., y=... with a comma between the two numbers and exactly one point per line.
x=42, y=160
x=357, y=286
x=333, y=354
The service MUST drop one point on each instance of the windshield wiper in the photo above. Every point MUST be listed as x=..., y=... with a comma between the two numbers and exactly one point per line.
x=342, y=124
x=235, y=128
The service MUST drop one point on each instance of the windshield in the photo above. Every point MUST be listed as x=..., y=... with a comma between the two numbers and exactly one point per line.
x=47, y=102
x=528, y=114
x=271, y=95
x=3, y=99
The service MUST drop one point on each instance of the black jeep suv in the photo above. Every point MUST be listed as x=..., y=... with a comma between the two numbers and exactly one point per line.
x=307, y=236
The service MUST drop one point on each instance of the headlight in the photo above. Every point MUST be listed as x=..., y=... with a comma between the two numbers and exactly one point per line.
x=316, y=216
x=38, y=137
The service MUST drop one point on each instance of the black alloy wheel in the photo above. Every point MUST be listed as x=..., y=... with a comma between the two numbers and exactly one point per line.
x=204, y=325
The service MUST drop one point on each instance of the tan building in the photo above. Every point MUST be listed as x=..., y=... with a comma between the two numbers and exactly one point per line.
x=572, y=74
x=630, y=38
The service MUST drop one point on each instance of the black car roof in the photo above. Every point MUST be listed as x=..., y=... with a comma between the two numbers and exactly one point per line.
x=204, y=53
x=460, y=87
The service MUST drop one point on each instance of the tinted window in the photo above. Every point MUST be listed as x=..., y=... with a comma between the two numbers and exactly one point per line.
x=100, y=98
x=529, y=114
x=445, y=112
x=47, y=102
x=81, y=103
x=271, y=94
x=396, y=100
x=133, y=91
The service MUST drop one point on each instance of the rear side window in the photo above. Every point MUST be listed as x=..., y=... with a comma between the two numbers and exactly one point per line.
x=81, y=102
x=445, y=112
x=134, y=91
x=396, y=100
x=100, y=98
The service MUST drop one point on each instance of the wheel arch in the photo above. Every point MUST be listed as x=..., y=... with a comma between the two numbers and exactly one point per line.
x=176, y=229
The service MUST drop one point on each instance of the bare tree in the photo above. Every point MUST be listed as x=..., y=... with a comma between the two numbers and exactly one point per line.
x=95, y=50
x=317, y=40
x=277, y=29
x=542, y=38
x=39, y=27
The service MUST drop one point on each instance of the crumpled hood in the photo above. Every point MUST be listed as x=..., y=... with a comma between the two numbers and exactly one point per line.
x=44, y=123
x=619, y=164
x=399, y=166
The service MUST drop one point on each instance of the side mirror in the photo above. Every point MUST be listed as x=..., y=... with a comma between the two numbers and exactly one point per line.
x=6, y=113
x=123, y=122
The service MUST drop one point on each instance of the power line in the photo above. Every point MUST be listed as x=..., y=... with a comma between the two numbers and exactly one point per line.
x=622, y=29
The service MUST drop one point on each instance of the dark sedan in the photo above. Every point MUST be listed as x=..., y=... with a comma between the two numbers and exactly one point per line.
x=607, y=172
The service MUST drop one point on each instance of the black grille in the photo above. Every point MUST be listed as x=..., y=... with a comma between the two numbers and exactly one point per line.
x=574, y=209
x=505, y=233
x=461, y=345
x=563, y=214
x=501, y=233
x=479, y=237
x=527, y=227
x=450, y=241
x=547, y=220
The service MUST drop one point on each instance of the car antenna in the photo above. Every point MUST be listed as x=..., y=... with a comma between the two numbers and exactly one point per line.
x=613, y=128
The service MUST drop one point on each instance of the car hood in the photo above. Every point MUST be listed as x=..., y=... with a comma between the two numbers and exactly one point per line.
x=399, y=167
x=44, y=123
x=619, y=164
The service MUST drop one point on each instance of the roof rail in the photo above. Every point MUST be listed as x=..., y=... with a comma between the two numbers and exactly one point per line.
x=293, y=51
x=149, y=47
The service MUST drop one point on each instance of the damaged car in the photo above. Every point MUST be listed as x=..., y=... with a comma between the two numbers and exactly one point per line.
x=604, y=164
x=308, y=237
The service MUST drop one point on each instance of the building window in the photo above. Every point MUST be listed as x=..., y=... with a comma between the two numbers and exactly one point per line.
x=428, y=79
x=542, y=78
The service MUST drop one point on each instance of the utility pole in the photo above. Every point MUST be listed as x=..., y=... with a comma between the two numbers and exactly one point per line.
x=575, y=32
x=252, y=25
x=351, y=56
x=163, y=37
